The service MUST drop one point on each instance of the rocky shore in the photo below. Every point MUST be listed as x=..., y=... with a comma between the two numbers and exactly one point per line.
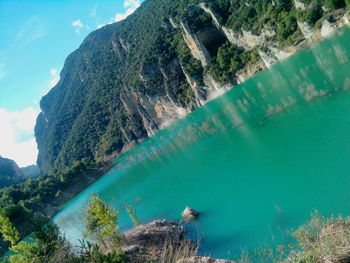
x=162, y=241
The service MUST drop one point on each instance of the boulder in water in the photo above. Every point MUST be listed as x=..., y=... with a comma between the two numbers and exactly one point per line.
x=189, y=214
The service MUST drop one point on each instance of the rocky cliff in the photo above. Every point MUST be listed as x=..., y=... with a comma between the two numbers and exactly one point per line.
x=129, y=79
x=10, y=173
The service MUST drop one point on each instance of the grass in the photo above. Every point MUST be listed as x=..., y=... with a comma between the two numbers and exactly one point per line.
x=320, y=240
x=178, y=253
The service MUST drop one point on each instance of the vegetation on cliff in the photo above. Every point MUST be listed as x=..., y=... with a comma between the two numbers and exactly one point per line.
x=10, y=173
x=41, y=197
x=128, y=79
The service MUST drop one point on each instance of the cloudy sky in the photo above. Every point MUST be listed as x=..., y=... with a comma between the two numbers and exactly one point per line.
x=36, y=37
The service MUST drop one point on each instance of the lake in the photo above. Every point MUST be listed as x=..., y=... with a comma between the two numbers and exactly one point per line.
x=254, y=162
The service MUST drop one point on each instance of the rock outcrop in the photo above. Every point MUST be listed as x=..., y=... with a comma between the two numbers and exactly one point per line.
x=329, y=27
x=159, y=240
x=305, y=29
x=196, y=47
x=242, y=38
x=147, y=242
x=189, y=214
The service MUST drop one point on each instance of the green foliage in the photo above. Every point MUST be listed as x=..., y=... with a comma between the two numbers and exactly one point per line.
x=286, y=27
x=322, y=239
x=10, y=173
x=184, y=94
x=7, y=230
x=46, y=245
x=312, y=14
x=253, y=16
x=22, y=202
x=334, y=4
x=92, y=253
x=132, y=214
x=229, y=60
x=191, y=66
x=101, y=222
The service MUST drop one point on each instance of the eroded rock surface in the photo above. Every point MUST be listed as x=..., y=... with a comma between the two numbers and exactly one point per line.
x=146, y=242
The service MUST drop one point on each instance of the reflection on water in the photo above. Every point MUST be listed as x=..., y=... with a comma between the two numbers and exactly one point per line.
x=255, y=161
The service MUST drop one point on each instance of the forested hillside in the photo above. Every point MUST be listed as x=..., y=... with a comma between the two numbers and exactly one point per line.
x=10, y=173
x=31, y=171
x=129, y=79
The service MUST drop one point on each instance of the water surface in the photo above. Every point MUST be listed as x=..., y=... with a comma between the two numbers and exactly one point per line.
x=255, y=162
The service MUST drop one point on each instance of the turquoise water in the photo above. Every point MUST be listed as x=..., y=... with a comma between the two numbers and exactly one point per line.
x=255, y=162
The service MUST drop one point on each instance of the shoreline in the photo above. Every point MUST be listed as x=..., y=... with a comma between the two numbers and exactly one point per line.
x=49, y=210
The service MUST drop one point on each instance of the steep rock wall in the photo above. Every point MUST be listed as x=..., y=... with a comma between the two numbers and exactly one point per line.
x=128, y=80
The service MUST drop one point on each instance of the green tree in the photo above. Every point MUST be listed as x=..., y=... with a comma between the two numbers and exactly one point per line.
x=7, y=230
x=101, y=222
x=334, y=4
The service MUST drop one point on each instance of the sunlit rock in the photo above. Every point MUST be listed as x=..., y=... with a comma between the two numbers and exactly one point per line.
x=189, y=214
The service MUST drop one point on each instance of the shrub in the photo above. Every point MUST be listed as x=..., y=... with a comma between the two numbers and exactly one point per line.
x=101, y=222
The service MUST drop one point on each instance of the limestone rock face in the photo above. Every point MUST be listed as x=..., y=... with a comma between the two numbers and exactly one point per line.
x=305, y=29
x=300, y=5
x=198, y=50
x=189, y=214
x=328, y=27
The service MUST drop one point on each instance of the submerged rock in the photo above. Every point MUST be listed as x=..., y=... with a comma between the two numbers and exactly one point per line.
x=189, y=214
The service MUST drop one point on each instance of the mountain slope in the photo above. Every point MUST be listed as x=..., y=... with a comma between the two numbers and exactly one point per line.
x=10, y=173
x=129, y=79
x=31, y=171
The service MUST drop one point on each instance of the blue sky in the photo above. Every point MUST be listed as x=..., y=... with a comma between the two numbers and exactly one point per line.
x=35, y=38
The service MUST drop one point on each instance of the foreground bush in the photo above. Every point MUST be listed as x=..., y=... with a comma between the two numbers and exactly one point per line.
x=47, y=245
x=323, y=240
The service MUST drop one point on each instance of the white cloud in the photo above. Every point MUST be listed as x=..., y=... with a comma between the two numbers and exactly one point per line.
x=132, y=3
x=17, y=140
x=77, y=23
x=55, y=77
x=131, y=6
